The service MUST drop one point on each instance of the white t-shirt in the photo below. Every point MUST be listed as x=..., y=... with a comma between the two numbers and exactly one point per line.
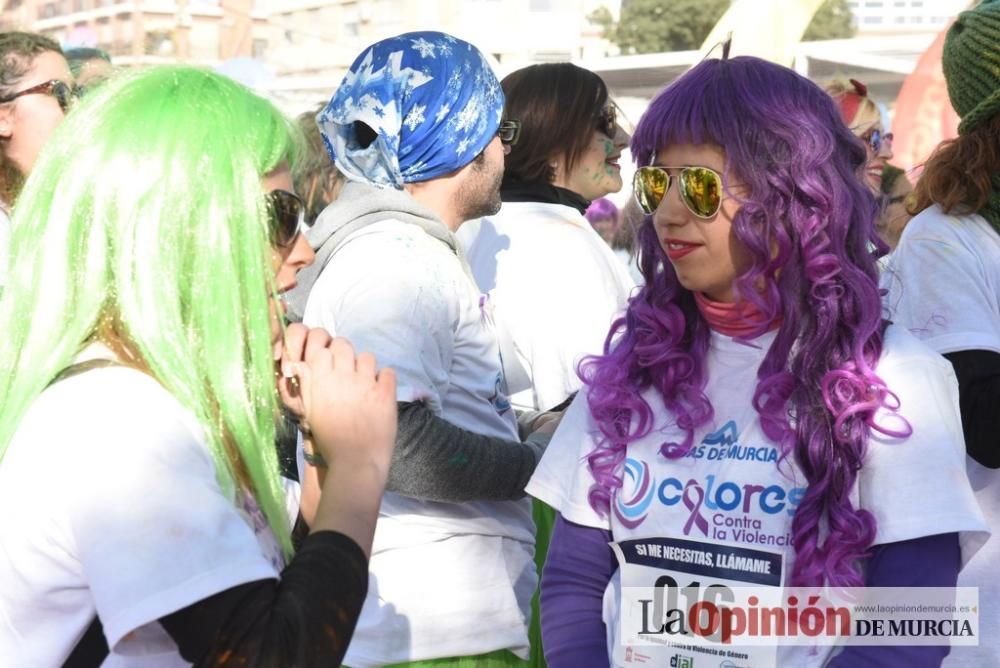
x=394, y=290
x=556, y=287
x=111, y=506
x=944, y=286
x=730, y=490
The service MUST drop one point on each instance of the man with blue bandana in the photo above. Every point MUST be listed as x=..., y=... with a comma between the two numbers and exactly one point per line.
x=414, y=129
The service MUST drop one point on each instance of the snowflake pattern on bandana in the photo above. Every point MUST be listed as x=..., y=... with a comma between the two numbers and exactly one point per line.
x=433, y=104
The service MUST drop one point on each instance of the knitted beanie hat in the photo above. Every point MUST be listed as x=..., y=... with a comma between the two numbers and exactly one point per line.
x=971, y=64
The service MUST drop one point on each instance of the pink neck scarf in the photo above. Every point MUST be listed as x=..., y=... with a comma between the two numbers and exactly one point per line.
x=737, y=320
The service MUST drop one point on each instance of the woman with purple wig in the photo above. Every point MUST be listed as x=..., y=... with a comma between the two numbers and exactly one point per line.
x=753, y=421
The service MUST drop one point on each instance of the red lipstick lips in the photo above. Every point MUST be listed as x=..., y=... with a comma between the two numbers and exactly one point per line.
x=676, y=249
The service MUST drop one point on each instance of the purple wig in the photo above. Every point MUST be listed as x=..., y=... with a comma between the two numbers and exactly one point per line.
x=601, y=209
x=807, y=225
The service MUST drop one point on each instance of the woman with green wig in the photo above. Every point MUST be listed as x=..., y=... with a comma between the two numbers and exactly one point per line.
x=143, y=369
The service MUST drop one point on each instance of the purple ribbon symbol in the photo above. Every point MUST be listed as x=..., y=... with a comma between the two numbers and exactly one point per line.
x=694, y=505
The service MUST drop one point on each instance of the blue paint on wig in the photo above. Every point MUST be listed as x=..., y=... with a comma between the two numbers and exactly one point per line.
x=807, y=224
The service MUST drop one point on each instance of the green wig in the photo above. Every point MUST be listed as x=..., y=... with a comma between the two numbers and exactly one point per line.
x=143, y=225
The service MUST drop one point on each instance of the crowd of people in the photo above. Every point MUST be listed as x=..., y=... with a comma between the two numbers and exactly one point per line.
x=389, y=383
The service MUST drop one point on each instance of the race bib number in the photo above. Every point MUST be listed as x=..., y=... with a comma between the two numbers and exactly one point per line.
x=673, y=602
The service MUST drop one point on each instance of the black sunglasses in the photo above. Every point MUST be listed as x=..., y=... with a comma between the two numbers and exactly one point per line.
x=607, y=121
x=509, y=132
x=287, y=212
x=64, y=94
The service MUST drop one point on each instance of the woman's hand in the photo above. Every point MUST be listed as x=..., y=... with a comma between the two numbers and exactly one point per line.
x=348, y=409
x=290, y=387
x=340, y=399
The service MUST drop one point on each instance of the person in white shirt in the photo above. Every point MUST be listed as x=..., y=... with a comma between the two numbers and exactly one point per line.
x=144, y=363
x=943, y=283
x=555, y=285
x=416, y=128
x=753, y=406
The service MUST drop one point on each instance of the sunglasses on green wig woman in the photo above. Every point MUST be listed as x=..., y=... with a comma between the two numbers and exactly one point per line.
x=287, y=213
x=700, y=188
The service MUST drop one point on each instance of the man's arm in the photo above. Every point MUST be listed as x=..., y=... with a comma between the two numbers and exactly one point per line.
x=438, y=461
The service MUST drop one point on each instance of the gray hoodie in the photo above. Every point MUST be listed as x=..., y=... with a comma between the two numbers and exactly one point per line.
x=433, y=458
x=360, y=205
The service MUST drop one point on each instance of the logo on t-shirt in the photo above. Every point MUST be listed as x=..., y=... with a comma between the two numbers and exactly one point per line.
x=713, y=499
x=725, y=435
x=636, y=495
x=724, y=444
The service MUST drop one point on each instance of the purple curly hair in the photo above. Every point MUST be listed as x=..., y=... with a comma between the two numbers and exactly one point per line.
x=807, y=226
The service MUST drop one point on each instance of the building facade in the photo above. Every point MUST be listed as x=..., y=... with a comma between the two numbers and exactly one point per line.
x=141, y=32
x=904, y=16
x=324, y=36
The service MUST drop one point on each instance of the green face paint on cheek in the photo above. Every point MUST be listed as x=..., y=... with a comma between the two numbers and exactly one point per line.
x=609, y=150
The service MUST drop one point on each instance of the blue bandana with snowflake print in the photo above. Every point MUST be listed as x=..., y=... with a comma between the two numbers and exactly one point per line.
x=433, y=100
